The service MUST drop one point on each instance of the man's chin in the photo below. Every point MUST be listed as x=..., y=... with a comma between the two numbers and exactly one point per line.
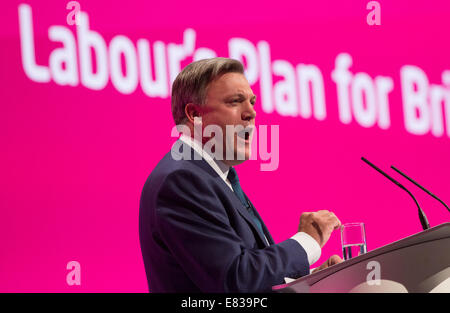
x=238, y=159
x=233, y=162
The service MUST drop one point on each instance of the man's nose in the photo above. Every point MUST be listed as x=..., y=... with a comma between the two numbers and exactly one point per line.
x=249, y=112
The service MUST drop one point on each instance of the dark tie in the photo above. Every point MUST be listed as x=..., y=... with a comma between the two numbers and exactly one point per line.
x=234, y=180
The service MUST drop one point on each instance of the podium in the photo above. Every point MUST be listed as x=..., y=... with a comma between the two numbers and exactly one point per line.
x=416, y=264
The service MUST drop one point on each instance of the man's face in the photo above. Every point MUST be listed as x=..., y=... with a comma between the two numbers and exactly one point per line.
x=230, y=101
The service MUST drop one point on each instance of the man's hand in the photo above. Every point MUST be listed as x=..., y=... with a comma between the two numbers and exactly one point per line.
x=319, y=225
x=335, y=259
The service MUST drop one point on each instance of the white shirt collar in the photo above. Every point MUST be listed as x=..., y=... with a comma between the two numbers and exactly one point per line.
x=219, y=167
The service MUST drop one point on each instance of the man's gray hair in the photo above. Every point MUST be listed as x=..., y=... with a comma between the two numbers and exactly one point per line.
x=191, y=84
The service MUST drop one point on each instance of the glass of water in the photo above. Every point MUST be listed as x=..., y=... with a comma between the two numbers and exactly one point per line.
x=353, y=237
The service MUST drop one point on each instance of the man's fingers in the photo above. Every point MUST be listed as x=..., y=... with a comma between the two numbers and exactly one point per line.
x=320, y=225
x=337, y=223
x=335, y=259
x=332, y=221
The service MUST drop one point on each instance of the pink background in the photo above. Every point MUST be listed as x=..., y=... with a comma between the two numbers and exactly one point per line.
x=73, y=160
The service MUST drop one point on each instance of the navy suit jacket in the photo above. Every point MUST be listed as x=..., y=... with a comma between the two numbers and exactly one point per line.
x=196, y=236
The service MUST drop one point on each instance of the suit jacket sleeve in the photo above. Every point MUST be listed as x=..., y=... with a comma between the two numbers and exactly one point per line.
x=194, y=225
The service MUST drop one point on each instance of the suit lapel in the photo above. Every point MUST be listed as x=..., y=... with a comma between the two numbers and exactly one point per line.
x=246, y=215
x=199, y=161
x=265, y=229
x=241, y=209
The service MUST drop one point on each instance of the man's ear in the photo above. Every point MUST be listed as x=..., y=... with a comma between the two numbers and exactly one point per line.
x=192, y=110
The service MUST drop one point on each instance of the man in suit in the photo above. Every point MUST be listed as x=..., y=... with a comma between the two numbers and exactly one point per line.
x=198, y=230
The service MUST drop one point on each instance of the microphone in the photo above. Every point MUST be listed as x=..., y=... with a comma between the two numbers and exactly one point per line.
x=422, y=217
x=420, y=186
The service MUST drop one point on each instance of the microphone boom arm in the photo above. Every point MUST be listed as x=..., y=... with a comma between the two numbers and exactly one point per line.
x=420, y=186
x=422, y=217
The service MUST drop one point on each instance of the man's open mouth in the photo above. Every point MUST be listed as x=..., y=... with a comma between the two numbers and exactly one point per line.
x=245, y=133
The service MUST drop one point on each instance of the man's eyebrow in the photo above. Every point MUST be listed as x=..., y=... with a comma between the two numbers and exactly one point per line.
x=241, y=95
